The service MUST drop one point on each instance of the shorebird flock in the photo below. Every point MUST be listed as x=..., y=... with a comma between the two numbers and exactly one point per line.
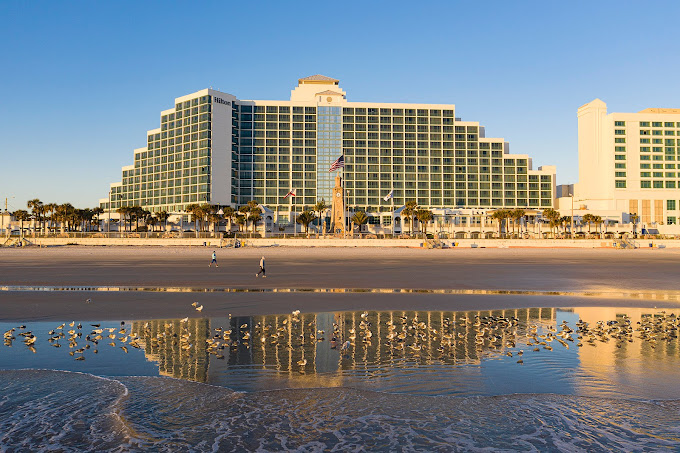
x=77, y=338
x=404, y=335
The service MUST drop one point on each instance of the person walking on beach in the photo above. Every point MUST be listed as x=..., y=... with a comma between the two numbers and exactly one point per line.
x=261, y=269
x=214, y=260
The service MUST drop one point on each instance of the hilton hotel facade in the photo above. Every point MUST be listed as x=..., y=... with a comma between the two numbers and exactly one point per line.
x=214, y=148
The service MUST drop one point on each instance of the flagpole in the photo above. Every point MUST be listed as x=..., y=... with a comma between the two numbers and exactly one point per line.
x=392, y=203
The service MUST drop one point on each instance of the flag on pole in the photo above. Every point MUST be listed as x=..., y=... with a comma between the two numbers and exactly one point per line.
x=338, y=164
x=291, y=193
x=389, y=195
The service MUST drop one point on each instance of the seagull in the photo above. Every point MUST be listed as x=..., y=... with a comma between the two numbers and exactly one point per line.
x=87, y=301
x=199, y=309
x=195, y=304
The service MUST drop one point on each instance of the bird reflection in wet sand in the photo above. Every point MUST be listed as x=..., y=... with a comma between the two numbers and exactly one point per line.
x=296, y=342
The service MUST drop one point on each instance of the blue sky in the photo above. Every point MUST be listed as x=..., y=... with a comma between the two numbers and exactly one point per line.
x=82, y=81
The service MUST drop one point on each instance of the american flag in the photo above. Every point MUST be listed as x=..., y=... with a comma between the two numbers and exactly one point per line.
x=338, y=164
x=291, y=193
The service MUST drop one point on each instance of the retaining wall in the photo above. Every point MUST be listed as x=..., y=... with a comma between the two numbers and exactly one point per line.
x=290, y=242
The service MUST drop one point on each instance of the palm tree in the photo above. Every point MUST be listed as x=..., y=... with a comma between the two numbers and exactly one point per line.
x=194, y=210
x=229, y=215
x=123, y=212
x=240, y=220
x=52, y=209
x=589, y=219
x=553, y=217
x=633, y=219
x=565, y=220
x=409, y=211
x=359, y=218
x=21, y=215
x=36, y=206
x=597, y=220
x=204, y=211
x=97, y=212
x=424, y=217
x=516, y=215
x=319, y=207
x=305, y=218
x=255, y=215
x=245, y=210
x=163, y=218
x=151, y=221
x=215, y=219
x=500, y=215
x=64, y=215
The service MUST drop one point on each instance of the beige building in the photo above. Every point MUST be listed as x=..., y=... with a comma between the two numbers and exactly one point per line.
x=629, y=163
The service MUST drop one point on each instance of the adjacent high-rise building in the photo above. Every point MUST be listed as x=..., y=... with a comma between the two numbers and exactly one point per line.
x=629, y=163
x=214, y=148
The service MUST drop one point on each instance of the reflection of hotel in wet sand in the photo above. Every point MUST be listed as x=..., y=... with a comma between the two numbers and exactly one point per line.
x=281, y=343
x=173, y=360
x=626, y=362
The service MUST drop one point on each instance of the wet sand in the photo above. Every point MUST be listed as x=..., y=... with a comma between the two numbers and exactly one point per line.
x=572, y=270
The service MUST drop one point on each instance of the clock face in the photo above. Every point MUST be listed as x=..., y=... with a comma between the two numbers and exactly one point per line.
x=329, y=99
x=337, y=194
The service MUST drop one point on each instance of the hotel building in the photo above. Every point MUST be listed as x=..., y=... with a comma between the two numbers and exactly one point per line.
x=629, y=163
x=214, y=148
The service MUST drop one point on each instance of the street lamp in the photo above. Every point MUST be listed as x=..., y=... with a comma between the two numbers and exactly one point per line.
x=5, y=213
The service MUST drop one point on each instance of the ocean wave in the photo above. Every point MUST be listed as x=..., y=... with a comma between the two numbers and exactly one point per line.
x=44, y=410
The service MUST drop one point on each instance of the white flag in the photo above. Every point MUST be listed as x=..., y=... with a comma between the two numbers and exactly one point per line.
x=389, y=195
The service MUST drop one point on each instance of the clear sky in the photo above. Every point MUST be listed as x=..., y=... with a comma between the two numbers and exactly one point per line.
x=82, y=81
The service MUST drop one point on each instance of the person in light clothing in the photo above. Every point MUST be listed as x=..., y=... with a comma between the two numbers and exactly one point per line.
x=261, y=269
x=214, y=260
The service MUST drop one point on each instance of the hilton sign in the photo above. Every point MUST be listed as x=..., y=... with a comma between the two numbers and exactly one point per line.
x=221, y=101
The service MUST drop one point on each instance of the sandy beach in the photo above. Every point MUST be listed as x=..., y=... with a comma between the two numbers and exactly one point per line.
x=569, y=270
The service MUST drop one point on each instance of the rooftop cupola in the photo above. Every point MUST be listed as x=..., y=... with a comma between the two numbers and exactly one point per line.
x=319, y=88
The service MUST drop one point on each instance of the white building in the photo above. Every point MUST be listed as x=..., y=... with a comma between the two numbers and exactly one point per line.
x=627, y=166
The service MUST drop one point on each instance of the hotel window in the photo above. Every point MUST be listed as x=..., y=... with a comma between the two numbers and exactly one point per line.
x=619, y=165
x=620, y=184
x=620, y=140
x=623, y=157
x=670, y=205
x=620, y=123
x=619, y=132
x=645, y=184
x=670, y=220
x=620, y=174
x=644, y=123
x=645, y=174
x=644, y=131
x=670, y=174
x=670, y=184
x=656, y=124
x=620, y=149
x=658, y=184
x=644, y=140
